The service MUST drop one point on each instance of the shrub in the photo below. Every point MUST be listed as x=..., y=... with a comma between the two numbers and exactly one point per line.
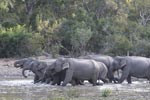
x=16, y=41
x=106, y=92
x=118, y=44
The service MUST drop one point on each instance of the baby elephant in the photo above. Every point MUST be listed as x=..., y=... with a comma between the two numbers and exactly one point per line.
x=80, y=69
x=37, y=67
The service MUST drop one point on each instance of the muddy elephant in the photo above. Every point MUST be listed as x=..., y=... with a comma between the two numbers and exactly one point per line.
x=107, y=60
x=79, y=69
x=132, y=66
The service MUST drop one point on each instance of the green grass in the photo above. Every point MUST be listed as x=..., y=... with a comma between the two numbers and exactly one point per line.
x=106, y=92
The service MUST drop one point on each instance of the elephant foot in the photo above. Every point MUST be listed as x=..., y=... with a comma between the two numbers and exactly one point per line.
x=98, y=83
x=64, y=84
x=129, y=82
x=35, y=82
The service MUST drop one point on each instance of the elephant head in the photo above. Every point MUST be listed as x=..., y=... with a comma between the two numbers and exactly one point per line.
x=33, y=66
x=119, y=62
x=59, y=65
x=21, y=63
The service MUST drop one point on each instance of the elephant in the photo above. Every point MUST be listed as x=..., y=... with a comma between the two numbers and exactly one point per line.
x=58, y=77
x=37, y=67
x=107, y=60
x=79, y=69
x=132, y=66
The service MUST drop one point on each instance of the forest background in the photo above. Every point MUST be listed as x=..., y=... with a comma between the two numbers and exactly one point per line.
x=74, y=27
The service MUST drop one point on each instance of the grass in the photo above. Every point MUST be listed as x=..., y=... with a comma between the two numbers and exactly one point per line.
x=106, y=92
x=73, y=93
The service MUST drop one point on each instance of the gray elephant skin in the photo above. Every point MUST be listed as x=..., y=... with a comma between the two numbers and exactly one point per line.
x=37, y=67
x=58, y=77
x=80, y=69
x=107, y=60
x=132, y=66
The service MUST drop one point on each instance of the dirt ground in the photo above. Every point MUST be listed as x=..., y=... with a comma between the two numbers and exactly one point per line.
x=14, y=87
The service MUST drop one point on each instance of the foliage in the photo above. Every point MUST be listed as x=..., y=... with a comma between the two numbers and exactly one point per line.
x=15, y=41
x=74, y=27
x=119, y=43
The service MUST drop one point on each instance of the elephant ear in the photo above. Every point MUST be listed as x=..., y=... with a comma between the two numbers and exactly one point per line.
x=40, y=65
x=65, y=66
x=123, y=63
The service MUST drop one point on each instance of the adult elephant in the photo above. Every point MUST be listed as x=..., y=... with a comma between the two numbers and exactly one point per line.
x=58, y=77
x=132, y=66
x=80, y=69
x=107, y=60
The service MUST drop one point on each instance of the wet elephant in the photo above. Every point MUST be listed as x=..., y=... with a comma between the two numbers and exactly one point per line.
x=132, y=66
x=80, y=69
x=58, y=77
x=107, y=60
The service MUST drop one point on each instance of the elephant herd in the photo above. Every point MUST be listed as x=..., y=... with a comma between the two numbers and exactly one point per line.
x=91, y=68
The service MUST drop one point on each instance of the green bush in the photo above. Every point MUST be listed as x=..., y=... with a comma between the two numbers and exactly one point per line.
x=118, y=44
x=16, y=41
x=106, y=92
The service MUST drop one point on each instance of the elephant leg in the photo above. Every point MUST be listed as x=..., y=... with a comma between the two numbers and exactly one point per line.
x=124, y=76
x=55, y=80
x=68, y=77
x=81, y=82
x=48, y=80
x=77, y=82
x=73, y=82
x=94, y=81
x=59, y=81
x=129, y=79
x=104, y=80
x=116, y=80
x=91, y=81
x=36, y=79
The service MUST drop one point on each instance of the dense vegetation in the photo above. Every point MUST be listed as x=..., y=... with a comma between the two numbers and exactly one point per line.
x=74, y=27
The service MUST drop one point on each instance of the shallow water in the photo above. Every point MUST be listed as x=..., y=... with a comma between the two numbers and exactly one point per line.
x=23, y=89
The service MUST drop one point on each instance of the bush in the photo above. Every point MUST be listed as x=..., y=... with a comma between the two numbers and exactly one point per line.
x=106, y=92
x=118, y=44
x=16, y=41
x=142, y=48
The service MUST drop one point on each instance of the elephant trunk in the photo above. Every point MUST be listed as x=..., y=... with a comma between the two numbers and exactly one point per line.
x=16, y=64
x=110, y=75
x=118, y=73
x=23, y=72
